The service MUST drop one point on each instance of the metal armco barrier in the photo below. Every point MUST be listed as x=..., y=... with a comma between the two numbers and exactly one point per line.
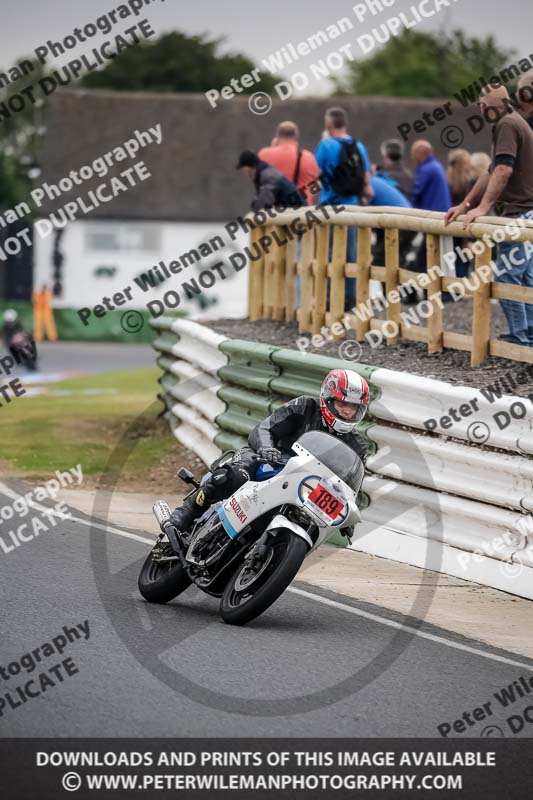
x=435, y=500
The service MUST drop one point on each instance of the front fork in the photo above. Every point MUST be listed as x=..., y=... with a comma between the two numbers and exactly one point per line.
x=257, y=552
x=260, y=548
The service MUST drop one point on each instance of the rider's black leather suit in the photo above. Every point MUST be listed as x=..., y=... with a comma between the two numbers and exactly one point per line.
x=280, y=430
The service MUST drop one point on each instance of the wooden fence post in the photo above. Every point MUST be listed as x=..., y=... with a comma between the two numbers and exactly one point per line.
x=364, y=262
x=268, y=286
x=338, y=265
x=481, y=309
x=323, y=233
x=392, y=295
x=433, y=288
x=256, y=276
x=279, y=254
x=305, y=270
x=291, y=272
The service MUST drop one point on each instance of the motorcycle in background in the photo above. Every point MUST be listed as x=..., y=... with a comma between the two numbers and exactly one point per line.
x=23, y=349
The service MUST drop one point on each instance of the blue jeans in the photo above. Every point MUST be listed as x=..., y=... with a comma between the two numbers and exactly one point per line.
x=514, y=262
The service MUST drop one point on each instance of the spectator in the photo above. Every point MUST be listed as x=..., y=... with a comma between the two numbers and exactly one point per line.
x=387, y=195
x=480, y=163
x=298, y=165
x=525, y=95
x=431, y=193
x=460, y=174
x=511, y=182
x=461, y=178
x=392, y=152
x=43, y=315
x=272, y=188
x=343, y=162
x=431, y=190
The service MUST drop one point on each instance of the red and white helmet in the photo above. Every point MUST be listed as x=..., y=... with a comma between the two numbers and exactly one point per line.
x=348, y=386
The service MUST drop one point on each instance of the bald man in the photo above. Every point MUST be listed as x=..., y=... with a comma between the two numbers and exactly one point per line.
x=298, y=165
x=509, y=180
x=431, y=192
x=525, y=95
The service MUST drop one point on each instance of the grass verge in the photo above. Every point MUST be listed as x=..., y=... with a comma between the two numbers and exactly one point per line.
x=48, y=432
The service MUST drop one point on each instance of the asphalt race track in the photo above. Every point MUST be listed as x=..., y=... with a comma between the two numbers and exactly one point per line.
x=82, y=358
x=308, y=665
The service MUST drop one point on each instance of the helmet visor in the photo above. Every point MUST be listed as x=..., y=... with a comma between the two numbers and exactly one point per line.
x=346, y=411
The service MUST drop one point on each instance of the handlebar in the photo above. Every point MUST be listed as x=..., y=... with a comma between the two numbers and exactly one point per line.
x=272, y=462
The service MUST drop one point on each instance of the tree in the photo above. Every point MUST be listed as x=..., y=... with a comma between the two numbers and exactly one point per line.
x=20, y=133
x=417, y=64
x=175, y=63
x=12, y=185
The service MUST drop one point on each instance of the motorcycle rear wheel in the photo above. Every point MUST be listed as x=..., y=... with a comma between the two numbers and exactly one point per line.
x=161, y=582
x=239, y=607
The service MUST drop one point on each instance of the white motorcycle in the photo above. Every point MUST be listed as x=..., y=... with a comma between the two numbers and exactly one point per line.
x=247, y=549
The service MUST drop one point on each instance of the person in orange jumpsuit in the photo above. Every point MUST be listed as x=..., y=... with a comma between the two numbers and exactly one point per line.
x=43, y=316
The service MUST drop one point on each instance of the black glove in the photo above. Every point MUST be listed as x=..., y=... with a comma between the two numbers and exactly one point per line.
x=271, y=454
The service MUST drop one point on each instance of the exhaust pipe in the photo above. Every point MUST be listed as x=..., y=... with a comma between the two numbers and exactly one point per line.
x=162, y=513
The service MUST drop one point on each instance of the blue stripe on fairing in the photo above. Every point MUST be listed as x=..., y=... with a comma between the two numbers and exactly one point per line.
x=228, y=527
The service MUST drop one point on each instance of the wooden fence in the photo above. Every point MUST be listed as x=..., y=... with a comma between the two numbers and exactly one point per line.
x=318, y=254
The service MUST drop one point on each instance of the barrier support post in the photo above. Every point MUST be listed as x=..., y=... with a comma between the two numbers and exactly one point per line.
x=291, y=270
x=481, y=308
x=278, y=290
x=256, y=271
x=392, y=266
x=433, y=290
x=268, y=288
x=323, y=235
x=305, y=270
x=338, y=265
x=364, y=263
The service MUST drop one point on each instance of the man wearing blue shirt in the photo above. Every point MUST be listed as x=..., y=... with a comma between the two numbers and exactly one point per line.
x=431, y=193
x=385, y=194
x=327, y=156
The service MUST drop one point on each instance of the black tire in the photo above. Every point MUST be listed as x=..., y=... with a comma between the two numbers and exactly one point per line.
x=289, y=552
x=159, y=583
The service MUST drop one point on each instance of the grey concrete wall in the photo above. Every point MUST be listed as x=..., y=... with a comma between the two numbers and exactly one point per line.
x=194, y=176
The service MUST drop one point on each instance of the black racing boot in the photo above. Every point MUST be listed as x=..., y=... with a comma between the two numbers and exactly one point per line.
x=183, y=517
x=194, y=506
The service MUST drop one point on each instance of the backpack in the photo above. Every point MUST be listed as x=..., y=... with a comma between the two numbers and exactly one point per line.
x=288, y=194
x=348, y=177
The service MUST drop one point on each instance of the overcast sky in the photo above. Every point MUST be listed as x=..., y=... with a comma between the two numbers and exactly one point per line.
x=259, y=29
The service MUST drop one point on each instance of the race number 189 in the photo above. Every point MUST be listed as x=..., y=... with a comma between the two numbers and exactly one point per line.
x=326, y=501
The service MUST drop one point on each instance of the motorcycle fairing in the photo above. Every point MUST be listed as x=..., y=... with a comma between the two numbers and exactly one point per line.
x=256, y=498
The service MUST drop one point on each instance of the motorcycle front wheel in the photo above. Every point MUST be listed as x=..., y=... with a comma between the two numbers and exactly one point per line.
x=161, y=582
x=248, y=595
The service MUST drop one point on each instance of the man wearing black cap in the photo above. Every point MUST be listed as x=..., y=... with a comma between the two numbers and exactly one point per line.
x=271, y=186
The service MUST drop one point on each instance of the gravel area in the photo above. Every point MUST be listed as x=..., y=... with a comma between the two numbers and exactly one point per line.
x=452, y=366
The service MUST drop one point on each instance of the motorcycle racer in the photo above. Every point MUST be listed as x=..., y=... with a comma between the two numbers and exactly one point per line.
x=343, y=403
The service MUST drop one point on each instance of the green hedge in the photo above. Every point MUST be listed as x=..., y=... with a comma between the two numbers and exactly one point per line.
x=70, y=327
